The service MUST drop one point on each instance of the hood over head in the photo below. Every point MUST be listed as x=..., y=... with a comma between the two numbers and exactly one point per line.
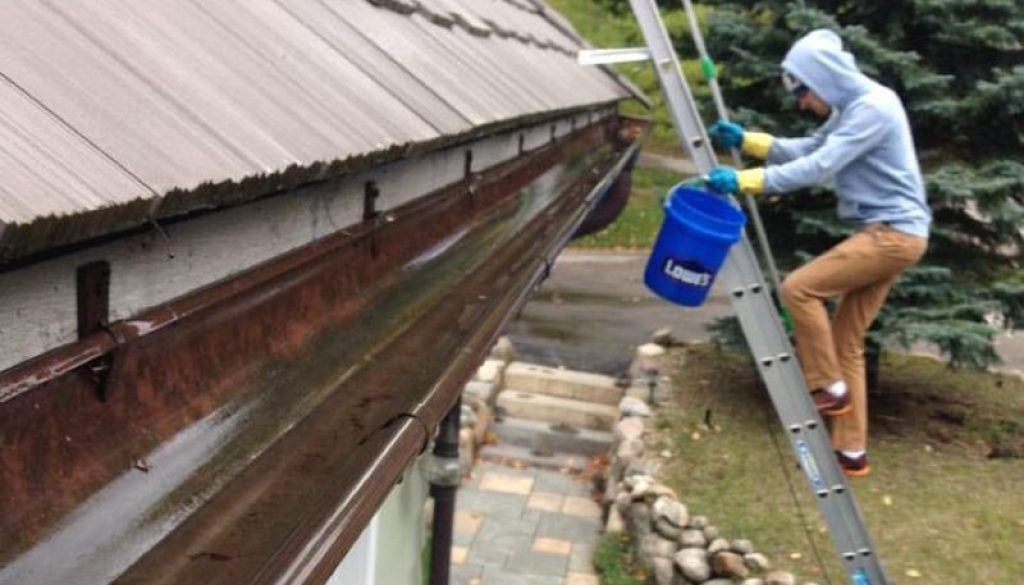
x=819, y=61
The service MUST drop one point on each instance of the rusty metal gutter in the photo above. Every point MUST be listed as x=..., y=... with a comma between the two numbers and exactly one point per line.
x=248, y=432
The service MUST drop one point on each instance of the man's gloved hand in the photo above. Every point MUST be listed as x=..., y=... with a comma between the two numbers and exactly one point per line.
x=727, y=180
x=727, y=134
x=723, y=180
x=732, y=135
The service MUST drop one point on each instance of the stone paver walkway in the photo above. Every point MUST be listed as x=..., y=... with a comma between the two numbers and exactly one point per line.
x=524, y=527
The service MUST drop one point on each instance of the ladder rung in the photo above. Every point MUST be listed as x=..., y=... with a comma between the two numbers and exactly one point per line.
x=608, y=56
x=782, y=357
x=754, y=288
x=798, y=427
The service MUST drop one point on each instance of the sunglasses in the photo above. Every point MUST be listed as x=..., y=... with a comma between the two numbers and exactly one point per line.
x=794, y=85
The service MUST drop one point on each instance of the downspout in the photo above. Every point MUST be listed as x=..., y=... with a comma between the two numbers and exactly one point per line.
x=611, y=203
x=443, y=484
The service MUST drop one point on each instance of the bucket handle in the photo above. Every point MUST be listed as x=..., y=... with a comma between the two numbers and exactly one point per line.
x=695, y=181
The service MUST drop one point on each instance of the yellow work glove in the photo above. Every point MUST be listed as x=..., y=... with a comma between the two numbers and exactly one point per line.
x=728, y=180
x=732, y=135
x=757, y=144
x=751, y=181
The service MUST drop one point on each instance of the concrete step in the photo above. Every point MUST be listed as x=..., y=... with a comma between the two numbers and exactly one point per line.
x=522, y=456
x=545, y=436
x=585, y=415
x=538, y=379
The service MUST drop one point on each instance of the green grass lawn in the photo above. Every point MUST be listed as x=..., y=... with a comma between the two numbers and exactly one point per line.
x=615, y=561
x=606, y=30
x=940, y=510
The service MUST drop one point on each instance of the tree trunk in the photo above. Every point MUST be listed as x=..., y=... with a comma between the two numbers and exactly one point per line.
x=872, y=363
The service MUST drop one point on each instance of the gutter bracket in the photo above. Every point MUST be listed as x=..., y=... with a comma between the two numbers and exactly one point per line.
x=99, y=371
x=92, y=281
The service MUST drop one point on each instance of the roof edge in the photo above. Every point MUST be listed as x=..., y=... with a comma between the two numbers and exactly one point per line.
x=44, y=237
x=560, y=23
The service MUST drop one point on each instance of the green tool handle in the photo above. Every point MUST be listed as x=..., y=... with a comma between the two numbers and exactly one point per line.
x=708, y=68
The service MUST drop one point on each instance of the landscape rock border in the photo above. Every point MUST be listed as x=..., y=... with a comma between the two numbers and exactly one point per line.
x=678, y=548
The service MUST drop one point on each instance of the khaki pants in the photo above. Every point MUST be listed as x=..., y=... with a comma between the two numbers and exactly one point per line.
x=861, y=269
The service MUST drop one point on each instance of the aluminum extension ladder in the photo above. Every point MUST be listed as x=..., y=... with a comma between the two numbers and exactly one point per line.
x=758, y=316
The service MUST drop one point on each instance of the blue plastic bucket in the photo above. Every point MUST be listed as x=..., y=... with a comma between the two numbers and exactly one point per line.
x=695, y=237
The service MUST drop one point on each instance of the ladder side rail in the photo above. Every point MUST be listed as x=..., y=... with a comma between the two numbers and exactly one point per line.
x=780, y=370
x=689, y=128
x=861, y=552
x=775, y=360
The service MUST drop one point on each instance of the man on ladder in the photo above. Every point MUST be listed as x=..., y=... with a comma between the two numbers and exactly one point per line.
x=836, y=144
x=866, y=147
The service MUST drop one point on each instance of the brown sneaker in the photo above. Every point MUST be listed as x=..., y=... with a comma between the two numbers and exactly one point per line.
x=853, y=466
x=829, y=405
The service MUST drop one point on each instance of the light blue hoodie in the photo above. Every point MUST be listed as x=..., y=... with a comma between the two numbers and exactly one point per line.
x=865, y=146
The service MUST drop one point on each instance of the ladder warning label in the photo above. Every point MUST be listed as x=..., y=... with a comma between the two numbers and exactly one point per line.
x=808, y=464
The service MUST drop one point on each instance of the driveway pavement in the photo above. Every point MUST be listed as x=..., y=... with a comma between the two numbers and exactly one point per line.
x=594, y=310
x=577, y=318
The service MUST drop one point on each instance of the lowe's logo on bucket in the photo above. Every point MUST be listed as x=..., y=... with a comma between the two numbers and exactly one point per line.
x=688, y=272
